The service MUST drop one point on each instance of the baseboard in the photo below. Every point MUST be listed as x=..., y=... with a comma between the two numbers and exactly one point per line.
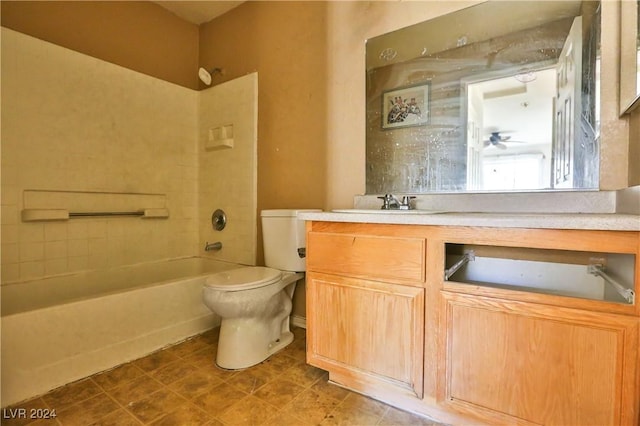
x=298, y=321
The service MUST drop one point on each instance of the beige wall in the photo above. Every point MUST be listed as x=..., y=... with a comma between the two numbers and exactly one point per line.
x=97, y=136
x=285, y=43
x=139, y=35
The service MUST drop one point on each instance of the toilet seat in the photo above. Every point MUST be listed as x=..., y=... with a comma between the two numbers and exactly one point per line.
x=243, y=278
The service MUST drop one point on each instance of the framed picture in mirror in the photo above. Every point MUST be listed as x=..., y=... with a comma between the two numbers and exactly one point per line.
x=406, y=106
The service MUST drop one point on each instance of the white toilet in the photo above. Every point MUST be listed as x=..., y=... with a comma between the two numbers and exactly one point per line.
x=255, y=302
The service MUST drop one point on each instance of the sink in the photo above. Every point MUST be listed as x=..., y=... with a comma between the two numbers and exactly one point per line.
x=380, y=211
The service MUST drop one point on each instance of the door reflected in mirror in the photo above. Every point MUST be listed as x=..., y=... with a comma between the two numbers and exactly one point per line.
x=629, y=56
x=512, y=105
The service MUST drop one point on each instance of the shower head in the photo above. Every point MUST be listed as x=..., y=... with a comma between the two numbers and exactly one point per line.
x=205, y=75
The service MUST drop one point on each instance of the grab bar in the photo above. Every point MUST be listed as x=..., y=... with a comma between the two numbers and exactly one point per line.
x=467, y=257
x=598, y=270
x=35, y=215
x=91, y=214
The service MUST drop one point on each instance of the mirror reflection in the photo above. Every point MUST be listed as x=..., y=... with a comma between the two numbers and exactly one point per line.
x=502, y=96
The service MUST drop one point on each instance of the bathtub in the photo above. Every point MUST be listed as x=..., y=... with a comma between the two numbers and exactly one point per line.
x=60, y=329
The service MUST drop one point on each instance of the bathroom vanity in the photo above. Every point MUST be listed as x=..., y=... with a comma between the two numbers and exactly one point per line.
x=479, y=318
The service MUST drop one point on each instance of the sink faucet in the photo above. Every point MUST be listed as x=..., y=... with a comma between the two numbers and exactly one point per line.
x=390, y=202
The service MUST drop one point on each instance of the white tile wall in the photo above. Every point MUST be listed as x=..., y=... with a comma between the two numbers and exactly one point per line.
x=228, y=176
x=91, y=126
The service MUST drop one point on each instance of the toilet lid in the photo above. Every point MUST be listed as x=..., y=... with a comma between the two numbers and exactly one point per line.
x=243, y=278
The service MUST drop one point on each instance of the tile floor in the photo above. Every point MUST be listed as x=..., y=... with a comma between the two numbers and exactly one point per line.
x=180, y=385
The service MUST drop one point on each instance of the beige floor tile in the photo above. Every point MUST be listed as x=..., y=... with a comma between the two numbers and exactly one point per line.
x=396, y=417
x=70, y=394
x=173, y=372
x=279, y=363
x=303, y=374
x=250, y=411
x=185, y=415
x=264, y=370
x=156, y=405
x=348, y=416
x=311, y=406
x=182, y=386
x=195, y=383
x=249, y=381
x=117, y=418
x=285, y=419
x=135, y=390
x=279, y=392
x=155, y=360
x=221, y=373
x=204, y=358
x=117, y=376
x=88, y=411
x=355, y=401
x=214, y=422
x=219, y=398
x=42, y=422
x=323, y=386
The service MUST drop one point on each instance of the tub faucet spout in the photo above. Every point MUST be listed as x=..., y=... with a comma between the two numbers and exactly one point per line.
x=213, y=246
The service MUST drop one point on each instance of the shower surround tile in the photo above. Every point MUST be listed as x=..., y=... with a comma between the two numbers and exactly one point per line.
x=88, y=126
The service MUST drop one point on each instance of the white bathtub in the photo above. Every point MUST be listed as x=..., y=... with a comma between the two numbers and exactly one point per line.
x=60, y=329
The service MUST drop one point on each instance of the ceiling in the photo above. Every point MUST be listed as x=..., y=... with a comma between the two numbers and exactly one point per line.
x=198, y=12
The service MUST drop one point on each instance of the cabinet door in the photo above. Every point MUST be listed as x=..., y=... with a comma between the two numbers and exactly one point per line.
x=357, y=327
x=523, y=363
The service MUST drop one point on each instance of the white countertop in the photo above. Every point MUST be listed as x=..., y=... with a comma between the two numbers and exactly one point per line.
x=601, y=221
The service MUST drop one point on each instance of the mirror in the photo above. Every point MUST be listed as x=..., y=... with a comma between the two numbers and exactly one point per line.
x=629, y=55
x=501, y=96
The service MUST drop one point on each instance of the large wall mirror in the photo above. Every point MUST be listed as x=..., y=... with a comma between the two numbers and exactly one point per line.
x=629, y=55
x=501, y=96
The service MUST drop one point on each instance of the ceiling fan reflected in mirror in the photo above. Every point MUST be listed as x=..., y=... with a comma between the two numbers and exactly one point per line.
x=497, y=140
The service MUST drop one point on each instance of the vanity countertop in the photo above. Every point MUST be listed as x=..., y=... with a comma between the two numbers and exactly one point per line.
x=602, y=221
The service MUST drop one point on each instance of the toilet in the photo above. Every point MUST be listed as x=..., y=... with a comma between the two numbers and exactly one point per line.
x=255, y=302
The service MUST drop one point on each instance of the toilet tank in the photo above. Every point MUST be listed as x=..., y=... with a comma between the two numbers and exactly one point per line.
x=282, y=235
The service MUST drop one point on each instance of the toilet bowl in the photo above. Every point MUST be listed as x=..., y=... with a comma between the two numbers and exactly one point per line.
x=255, y=302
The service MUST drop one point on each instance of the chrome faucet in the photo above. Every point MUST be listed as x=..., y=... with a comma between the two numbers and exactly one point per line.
x=405, y=204
x=390, y=202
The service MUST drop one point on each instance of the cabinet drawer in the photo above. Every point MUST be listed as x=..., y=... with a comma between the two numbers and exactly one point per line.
x=394, y=259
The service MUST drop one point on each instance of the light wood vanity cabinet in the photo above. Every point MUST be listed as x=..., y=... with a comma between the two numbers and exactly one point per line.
x=367, y=327
x=366, y=312
x=382, y=320
x=528, y=363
